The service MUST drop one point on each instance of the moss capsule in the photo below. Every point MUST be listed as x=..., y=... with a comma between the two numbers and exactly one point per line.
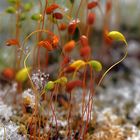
x=36, y=17
x=28, y=6
x=22, y=75
x=92, y=4
x=91, y=18
x=85, y=52
x=11, y=10
x=72, y=28
x=11, y=42
x=84, y=41
x=62, y=80
x=58, y=15
x=68, y=47
x=51, y=8
x=77, y=64
x=12, y=1
x=46, y=44
x=96, y=65
x=72, y=84
x=117, y=36
x=8, y=73
x=49, y=85
x=62, y=26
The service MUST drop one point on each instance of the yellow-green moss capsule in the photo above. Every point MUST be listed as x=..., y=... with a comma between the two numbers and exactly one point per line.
x=49, y=85
x=12, y=1
x=72, y=1
x=36, y=17
x=77, y=63
x=96, y=65
x=10, y=10
x=22, y=75
x=28, y=6
x=63, y=80
x=22, y=17
x=117, y=36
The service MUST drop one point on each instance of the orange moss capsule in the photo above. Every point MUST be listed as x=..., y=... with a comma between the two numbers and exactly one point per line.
x=51, y=8
x=68, y=47
x=71, y=85
x=46, y=44
x=84, y=41
x=11, y=42
x=91, y=18
x=57, y=15
x=62, y=26
x=92, y=4
x=8, y=73
x=85, y=52
x=55, y=41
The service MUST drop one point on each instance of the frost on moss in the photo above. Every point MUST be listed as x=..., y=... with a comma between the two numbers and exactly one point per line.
x=10, y=132
x=5, y=111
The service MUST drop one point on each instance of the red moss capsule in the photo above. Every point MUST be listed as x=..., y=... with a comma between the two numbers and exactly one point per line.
x=68, y=47
x=108, y=6
x=71, y=85
x=46, y=44
x=57, y=15
x=62, y=26
x=85, y=52
x=51, y=8
x=8, y=73
x=71, y=28
x=92, y=4
x=91, y=18
x=84, y=41
x=11, y=42
x=69, y=69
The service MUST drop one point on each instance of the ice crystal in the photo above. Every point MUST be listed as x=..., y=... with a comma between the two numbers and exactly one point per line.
x=5, y=111
x=39, y=79
x=9, y=131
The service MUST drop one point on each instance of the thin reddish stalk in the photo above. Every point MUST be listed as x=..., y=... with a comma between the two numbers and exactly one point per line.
x=83, y=97
x=43, y=19
x=89, y=102
x=78, y=9
x=69, y=116
x=53, y=109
